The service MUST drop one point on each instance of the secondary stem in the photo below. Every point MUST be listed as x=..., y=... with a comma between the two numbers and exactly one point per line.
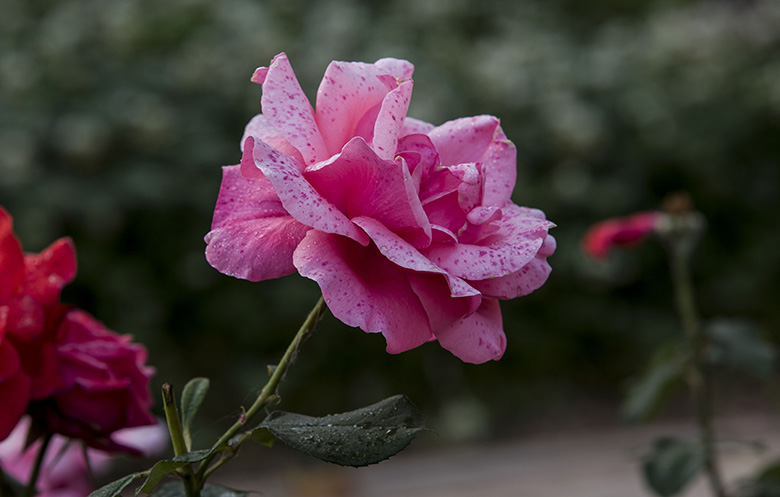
x=269, y=390
x=698, y=377
x=36, y=472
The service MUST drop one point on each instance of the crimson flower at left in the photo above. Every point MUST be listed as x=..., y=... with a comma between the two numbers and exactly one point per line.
x=58, y=364
x=30, y=286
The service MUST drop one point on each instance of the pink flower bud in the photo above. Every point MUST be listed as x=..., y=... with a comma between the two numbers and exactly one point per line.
x=618, y=232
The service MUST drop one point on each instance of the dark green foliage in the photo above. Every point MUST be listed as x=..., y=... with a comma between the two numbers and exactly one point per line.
x=115, y=488
x=163, y=468
x=649, y=392
x=737, y=344
x=192, y=397
x=766, y=483
x=671, y=465
x=355, y=438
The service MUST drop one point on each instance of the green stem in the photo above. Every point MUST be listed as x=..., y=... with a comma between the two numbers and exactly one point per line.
x=5, y=487
x=36, y=472
x=192, y=485
x=699, y=378
x=269, y=390
x=174, y=422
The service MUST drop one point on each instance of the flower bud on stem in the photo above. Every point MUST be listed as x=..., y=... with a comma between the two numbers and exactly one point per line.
x=680, y=230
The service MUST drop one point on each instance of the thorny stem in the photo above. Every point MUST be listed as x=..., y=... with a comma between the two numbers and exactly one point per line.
x=266, y=395
x=36, y=471
x=698, y=375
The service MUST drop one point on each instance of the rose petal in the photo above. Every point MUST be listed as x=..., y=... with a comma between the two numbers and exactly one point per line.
x=348, y=91
x=299, y=197
x=477, y=338
x=11, y=258
x=529, y=278
x=464, y=140
x=289, y=111
x=260, y=128
x=520, y=236
x=41, y=364
x=253, y=237
x=49, y=271
x=15, y=392
x=362, y=288
x=26, y=317
x=9, y=359
x=499, y=171
x=414, y=126
x=436, y=296
x=422, y=145
x=390, y=120
x=359, y=183
x=401, y=253
x=398, y=68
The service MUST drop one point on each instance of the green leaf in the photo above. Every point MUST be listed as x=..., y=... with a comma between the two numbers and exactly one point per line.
x=671, y=465
x=176, y=489
x=658, y=382
x=356, y=438
x=115, y=487
x=737, y=343
x=263, y=436
x=163, y=468
x=766, y=482
x=191, y=399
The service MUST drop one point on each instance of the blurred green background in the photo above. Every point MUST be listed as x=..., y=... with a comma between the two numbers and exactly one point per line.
x=115, y=118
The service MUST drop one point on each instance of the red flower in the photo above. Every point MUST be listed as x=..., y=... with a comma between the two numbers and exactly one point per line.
x=65, y=368
x=29, y=293
x=105, y=383
x=601, y=237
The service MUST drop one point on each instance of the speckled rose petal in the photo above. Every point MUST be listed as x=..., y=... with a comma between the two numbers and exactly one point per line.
x=299, y=197
x=400, y=252
x=442, y=308
x=289, y=111
x=253, y=237
x=414, y=126
x=359, y=183
x=261, y=129
x=477, y=338
x=347, y=92
x=398, y=68
x=528, y=279
x=389, y=121
x=517, y=242
x=499, y=171
x=362, y=288
x=465, y=139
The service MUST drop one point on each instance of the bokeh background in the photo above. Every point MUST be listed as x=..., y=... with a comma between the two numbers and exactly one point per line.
x=115, y=118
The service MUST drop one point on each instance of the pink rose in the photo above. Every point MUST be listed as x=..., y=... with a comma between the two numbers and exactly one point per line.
x=106, y=384
x=408, y=228
x=618, y=232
